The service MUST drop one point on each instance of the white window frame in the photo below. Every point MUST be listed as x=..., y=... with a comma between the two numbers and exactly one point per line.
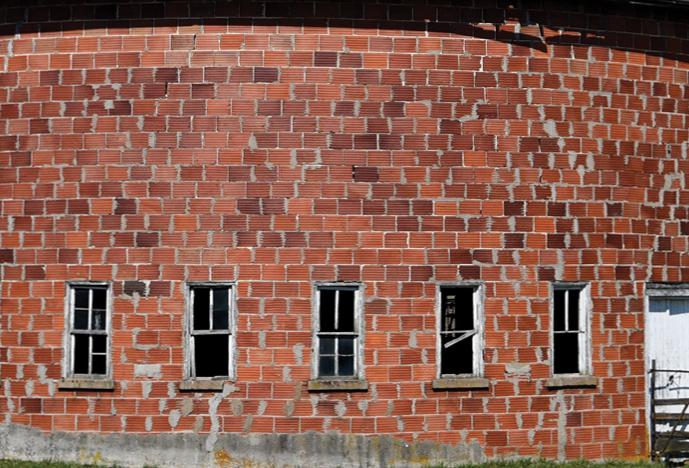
x=189, y=333
x=70, y=332
x=585, y=312
x=358, y=330
x=478, y=336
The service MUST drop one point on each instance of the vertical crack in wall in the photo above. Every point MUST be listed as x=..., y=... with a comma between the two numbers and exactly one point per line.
x=213, y=405
x=561, y=426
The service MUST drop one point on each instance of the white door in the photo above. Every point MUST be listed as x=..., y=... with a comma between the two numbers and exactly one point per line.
x=667, y=343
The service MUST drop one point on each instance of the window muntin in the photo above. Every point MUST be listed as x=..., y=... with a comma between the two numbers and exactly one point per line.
x=88, y=319
x=570, y=330
x=337, y=333
x=210, y=331
x=459, y=335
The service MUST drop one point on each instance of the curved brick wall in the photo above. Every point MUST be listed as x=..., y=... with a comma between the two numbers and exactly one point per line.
x=398, y=145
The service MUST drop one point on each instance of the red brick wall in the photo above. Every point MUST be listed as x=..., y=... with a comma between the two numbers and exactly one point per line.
x=398, y=145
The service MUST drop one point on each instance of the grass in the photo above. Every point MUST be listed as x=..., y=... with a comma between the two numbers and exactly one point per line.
x=41, y=464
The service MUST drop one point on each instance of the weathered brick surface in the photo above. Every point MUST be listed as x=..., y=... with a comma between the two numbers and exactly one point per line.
x=399, y=145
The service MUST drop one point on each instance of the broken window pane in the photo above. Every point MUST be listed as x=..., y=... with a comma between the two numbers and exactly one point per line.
x=211, y=357
x=457, y=304
x=99, y=343
x=220, y=308
x=327, y=312
x=99, y=298
x=81, y=354
x=98, y=364
x=573, y=310
x=566, y=359
x=458, y=358
x=449, y=308
x=346, y=311
x=201, y=308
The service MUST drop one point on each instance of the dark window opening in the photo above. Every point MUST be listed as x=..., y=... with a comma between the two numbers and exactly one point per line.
x=81, y=354
x=211, y=355
x=566, y=331
x=201, y=306
x=337, y=337
x=210, y=331
x=457, y=331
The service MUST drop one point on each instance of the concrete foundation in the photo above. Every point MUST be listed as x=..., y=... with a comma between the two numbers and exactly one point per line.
x=230, y=450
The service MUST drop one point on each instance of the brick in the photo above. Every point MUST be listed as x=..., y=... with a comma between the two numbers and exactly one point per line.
x=513, y=208
x=78, y=206
x=134, y=287
x=272, y=206
x=265, y=75
x=215, y=74
x=277, y=154
x=365, y=174
x=202, y=91
x=6, y=256
x=125, y=206
x=39, y=126
x=684, y=228
x=160, y=288
x=68, y=256
x=31, y=405
x=325, y=59
x=167, y=75
x=249, y=206
x=147, y=239
x=34, y=272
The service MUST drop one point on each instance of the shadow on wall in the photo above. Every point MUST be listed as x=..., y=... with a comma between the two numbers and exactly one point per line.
x=527, y=25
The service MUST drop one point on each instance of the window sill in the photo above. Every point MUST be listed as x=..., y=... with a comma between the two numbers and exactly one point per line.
x=460, y=383
x=572, y=381
x=86, y=384
x=200, y=385
x=337, y=385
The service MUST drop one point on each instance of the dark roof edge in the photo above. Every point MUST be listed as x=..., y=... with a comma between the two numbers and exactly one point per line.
x=665, y=3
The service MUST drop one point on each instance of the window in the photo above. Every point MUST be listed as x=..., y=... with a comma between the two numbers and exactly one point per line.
x=210, y=324
x=89, y=322
x=337, y=339
x=571, y=349
x=459, y=338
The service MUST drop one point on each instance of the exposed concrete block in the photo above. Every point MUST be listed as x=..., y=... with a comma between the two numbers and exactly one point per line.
x=517, y=369
x=460, y=383
x=148, y=370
